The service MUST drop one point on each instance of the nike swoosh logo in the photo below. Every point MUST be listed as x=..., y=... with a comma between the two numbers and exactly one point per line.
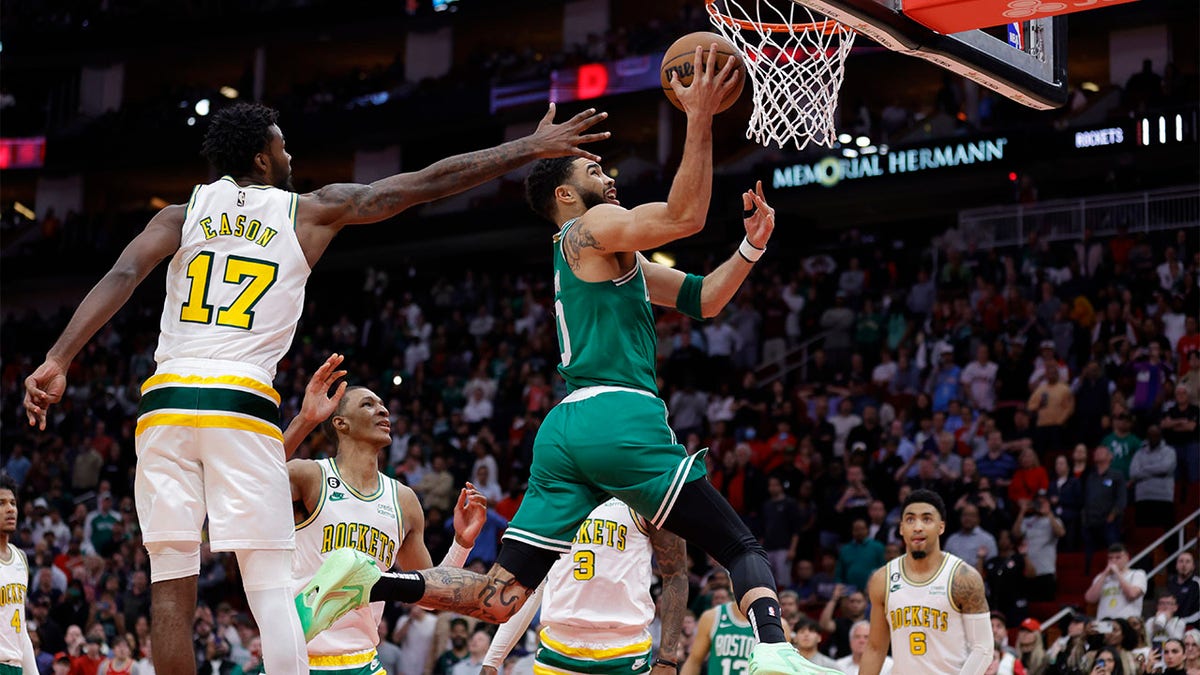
x=337, y=496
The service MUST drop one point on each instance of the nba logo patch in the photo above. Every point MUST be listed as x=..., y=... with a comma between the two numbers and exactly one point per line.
x=241, y=198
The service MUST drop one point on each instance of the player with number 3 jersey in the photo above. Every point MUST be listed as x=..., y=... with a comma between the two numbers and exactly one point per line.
x=208, y=436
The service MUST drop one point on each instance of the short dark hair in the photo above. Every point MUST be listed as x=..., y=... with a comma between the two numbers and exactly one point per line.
x=9, y=483
x=806, y=621
x=235, y=135
x=459, y=621
x=327, y=423
x=925, y=497
x=543, y=178
x=1117, y=548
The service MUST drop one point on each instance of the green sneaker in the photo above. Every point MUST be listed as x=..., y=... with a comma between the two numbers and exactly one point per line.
x=781, y=659
x=343, y=583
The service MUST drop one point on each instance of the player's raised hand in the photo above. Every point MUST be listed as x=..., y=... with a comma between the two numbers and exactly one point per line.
x=709, y=86
x=563, y=140
x=760, y=221
x=318, y=403
x=470, y=515
x=44, y=388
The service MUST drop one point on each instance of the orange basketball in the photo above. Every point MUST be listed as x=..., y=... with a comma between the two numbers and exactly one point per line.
x=680, y=58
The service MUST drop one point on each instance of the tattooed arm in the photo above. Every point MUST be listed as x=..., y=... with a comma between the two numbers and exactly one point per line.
x=494, y=597
x=671, y=554
x=967, y=593
x=340, y=204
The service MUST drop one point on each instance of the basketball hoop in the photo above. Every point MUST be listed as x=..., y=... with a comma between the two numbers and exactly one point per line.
x=795, y=61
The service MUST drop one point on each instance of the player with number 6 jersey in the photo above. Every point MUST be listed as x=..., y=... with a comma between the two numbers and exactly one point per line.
x=928, y=604
x=208, y=436
x=16, y=649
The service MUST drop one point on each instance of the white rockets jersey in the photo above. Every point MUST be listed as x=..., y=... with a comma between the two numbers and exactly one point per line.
x=927, y=627
x=346, y=518
x=235, y=287
x=604, y=582
x=14, y=582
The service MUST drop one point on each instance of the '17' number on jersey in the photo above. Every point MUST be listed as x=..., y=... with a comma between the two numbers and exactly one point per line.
x=240, y=312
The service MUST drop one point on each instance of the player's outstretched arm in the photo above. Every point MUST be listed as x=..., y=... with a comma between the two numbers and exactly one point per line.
x=671, y=554
x=510, y=633
x=318, y=403
x=158, y=240
x=700, y=646
x=877, y=642
x=618, y=230
x=704, y=298
x=351, y=203
x=967, y=593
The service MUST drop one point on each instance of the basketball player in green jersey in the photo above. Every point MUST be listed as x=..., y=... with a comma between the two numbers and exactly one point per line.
x=724, y=640
x=610, y=436
x=208, y=439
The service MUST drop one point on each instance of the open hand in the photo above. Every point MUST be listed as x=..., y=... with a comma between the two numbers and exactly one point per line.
x=318, y=403
x=42, y=389
x=563, y=140
x=761, y=223
x=709, y=87
x=470, y=515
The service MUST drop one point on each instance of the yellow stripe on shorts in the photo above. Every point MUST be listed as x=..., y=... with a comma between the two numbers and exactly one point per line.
x=335, y=660
x=543, y=669
x=203, y=421
x=596, y=654
x=234, y=380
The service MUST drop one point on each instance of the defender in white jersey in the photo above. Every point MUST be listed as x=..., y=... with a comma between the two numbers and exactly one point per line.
x=208, y=437
x=928, y=604
x=345, y=504
x=16, y=649
x=596, y=603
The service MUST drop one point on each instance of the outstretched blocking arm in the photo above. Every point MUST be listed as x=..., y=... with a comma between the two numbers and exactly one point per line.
x=875, y=654
x=967, y=593
x=318, y=403
x=159, y=239
x=669, y=288
x=340, y=204
x=510, y=633
x=614, y=229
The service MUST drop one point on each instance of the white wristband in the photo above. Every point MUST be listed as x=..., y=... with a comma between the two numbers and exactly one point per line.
x=456, y=556
x=749, y=251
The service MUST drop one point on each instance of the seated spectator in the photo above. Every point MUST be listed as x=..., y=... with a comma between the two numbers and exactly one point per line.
x=1000, y=633
x=1067, y=653
x=1030, y=651
x=971, y=543
x=1165, y=624
x=853, y=609
x=1109, y=661
x=858, y=645
x=1172, y=657
x=1118, y=590
x=808, y=636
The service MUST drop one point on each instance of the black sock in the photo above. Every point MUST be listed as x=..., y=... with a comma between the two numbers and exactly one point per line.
x=764, y=617
x=401, y=587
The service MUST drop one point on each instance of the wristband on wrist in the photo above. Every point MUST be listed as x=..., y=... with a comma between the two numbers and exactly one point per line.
x=660, y=661
x=750, y=252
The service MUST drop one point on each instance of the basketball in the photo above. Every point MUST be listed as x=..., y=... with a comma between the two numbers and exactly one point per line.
x=680, y=59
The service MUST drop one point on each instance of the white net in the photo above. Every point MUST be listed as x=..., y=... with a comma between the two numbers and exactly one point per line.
x=795, y=60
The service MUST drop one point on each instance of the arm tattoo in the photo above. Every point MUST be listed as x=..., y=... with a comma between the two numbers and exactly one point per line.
x=577, y=239
x=966, y=589
x=493, y=597
x=671, y=554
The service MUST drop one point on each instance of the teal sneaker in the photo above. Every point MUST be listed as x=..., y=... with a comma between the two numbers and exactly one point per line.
x=343, y=583
x=780, y=658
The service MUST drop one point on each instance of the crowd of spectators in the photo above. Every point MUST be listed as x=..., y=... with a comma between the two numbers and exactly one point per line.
x=1049, y=393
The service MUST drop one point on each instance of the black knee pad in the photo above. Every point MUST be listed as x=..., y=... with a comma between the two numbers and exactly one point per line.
x=704, y=518
x=749, y=570
x=528, y=564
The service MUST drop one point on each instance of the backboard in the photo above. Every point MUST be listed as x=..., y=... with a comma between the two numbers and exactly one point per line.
x=1025, y=61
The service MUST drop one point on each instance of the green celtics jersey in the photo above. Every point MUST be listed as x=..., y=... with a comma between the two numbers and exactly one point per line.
x=732, y=642
x=605, y=329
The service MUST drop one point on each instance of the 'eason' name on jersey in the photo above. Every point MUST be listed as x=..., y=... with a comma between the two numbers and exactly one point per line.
x=250, y=230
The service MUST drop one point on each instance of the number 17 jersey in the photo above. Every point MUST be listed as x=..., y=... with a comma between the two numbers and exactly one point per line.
x=235, y=287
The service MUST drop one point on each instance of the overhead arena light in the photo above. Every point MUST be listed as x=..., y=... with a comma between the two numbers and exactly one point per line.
x=228, y=92
x=845, y=138
x=862, y=141
x=202, y=107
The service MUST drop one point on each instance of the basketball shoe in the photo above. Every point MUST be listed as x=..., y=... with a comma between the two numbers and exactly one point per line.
x=343, y=583
x=781, y=659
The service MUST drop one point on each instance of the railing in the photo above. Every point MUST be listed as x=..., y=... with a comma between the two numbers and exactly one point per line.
x=795, y=358
x=1066, y=219
x=1182, y=545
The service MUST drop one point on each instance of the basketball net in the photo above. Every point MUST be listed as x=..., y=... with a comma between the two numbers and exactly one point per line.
x=795, y=61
